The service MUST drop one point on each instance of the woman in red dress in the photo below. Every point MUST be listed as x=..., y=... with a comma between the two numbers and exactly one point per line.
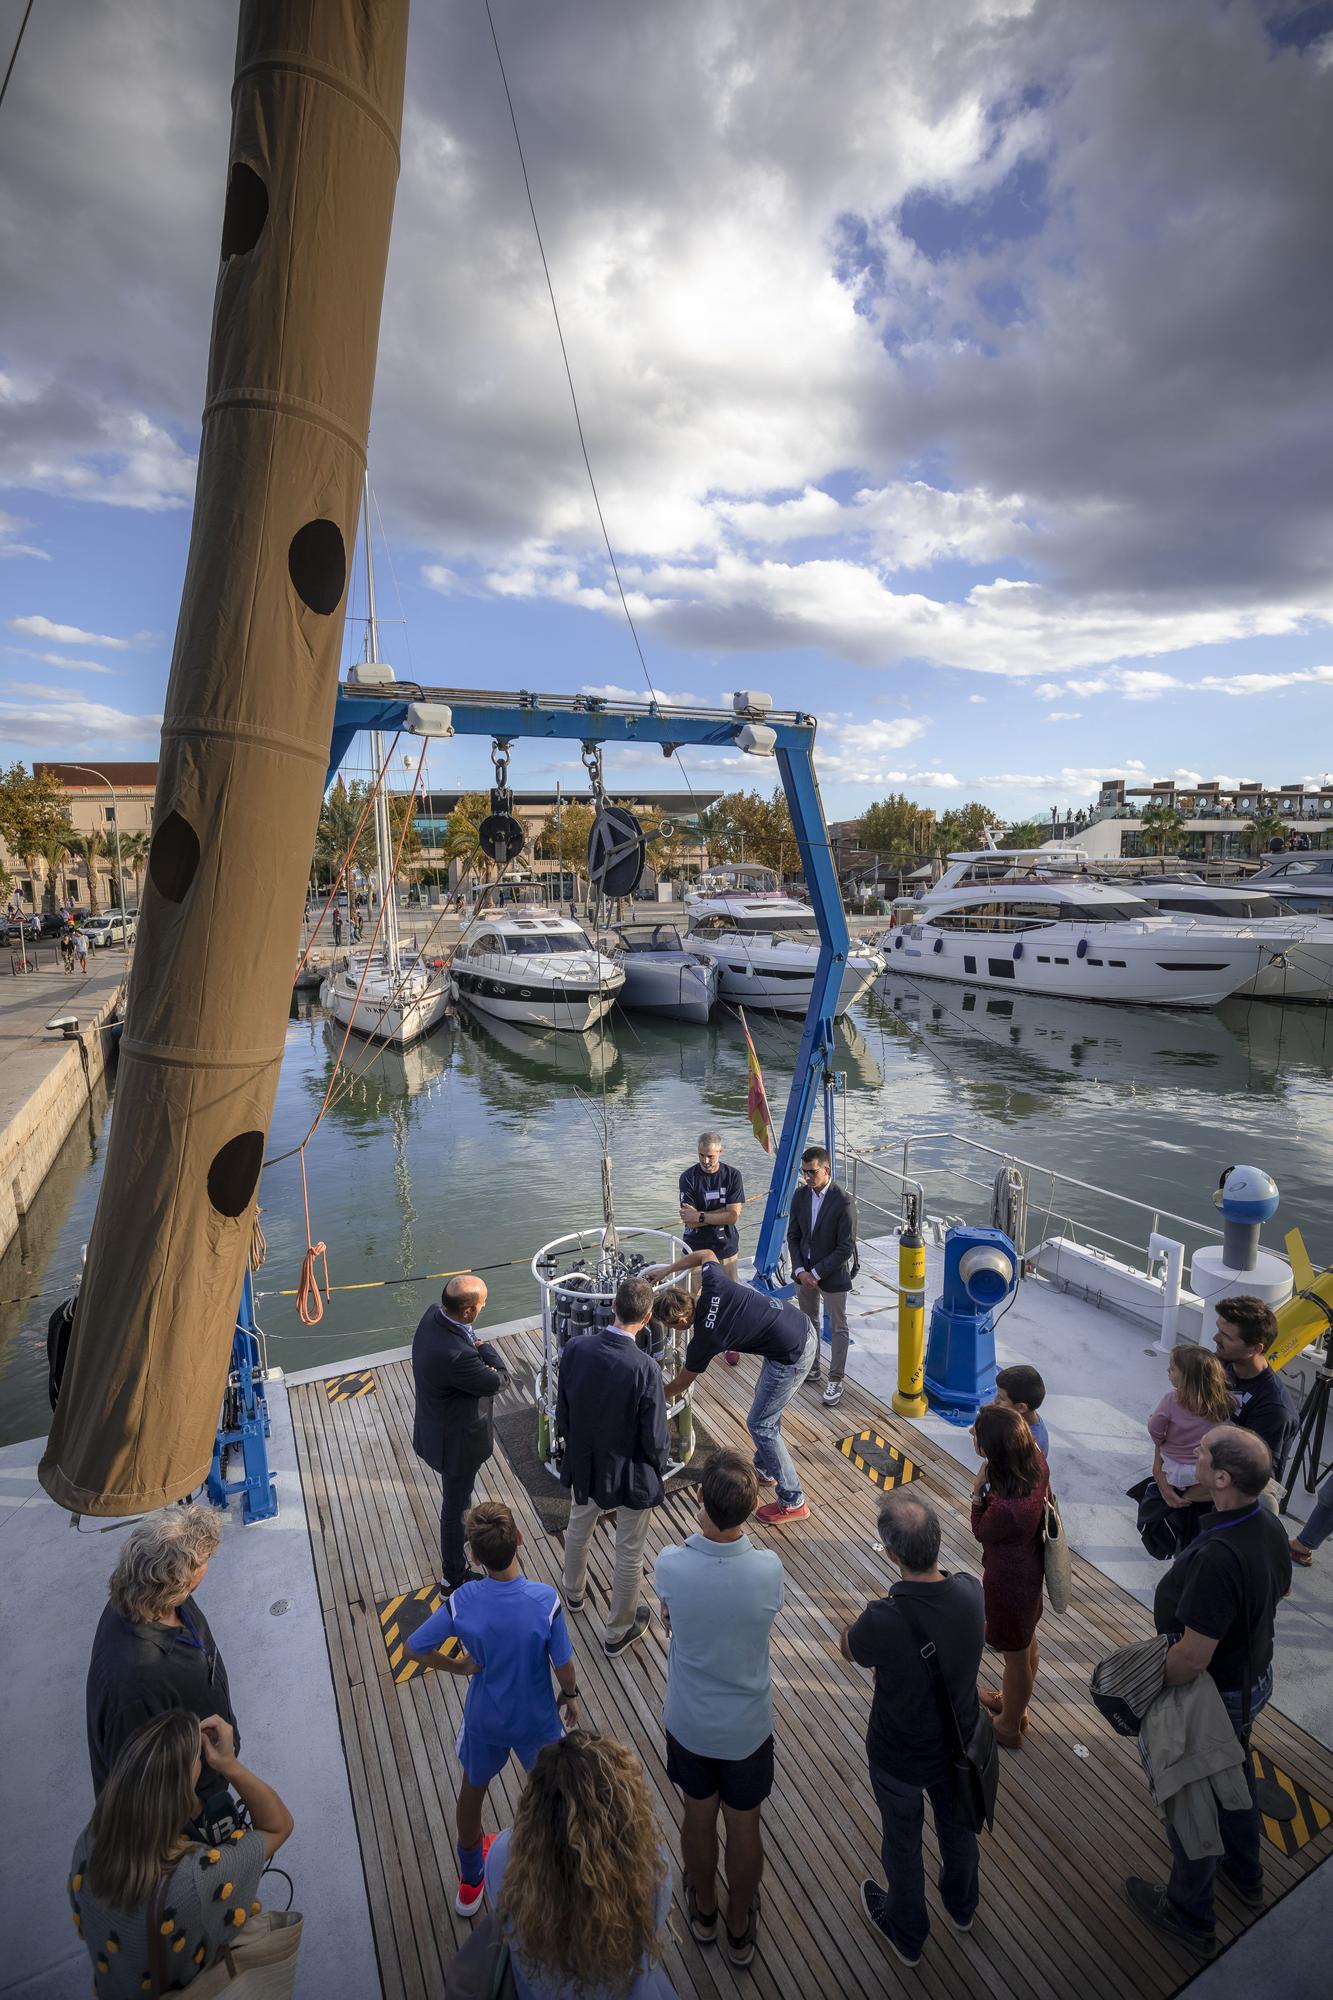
x=1008, y=1511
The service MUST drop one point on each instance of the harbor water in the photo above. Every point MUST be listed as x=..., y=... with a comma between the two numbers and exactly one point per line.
x=481, y=1143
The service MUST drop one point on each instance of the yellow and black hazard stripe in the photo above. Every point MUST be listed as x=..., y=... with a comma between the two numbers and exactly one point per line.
x=399, y=1617
x=882, y=1463
x=346, y=1388
x=1310, y=1817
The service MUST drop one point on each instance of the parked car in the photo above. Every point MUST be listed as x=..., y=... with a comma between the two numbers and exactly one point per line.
x=49, y=925
x=109, y=928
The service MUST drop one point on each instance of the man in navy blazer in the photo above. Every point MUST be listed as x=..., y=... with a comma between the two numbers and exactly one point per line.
x=821, y=1238
x=457, y=1376
x=611, y=1413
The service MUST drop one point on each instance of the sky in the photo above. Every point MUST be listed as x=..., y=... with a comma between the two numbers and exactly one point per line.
x=962, y=376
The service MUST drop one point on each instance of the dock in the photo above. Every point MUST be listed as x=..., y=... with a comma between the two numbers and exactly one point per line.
x=1074, y=1815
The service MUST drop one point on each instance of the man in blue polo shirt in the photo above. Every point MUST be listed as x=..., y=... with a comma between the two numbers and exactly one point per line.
x=737, y=1318
x=513, y=1634
x=719, y=1597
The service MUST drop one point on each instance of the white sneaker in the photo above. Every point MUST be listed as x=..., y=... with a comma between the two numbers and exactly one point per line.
x=833, y=1394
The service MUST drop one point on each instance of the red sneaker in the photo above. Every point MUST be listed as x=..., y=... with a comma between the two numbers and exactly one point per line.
x=776, y=1515
x=732, y=1358
x=471, y=1895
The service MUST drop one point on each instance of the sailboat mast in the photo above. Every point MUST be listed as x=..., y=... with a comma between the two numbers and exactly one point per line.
x=383, y=825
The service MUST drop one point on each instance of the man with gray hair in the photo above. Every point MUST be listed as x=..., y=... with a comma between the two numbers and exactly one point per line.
x=907, y=1745
x=153, y=1649
x=711, y=1199
x=1218, y=1602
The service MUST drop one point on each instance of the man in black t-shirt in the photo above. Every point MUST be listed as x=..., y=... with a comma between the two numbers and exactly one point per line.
x=906, y=1744
x=731, y=1318
x=1218, y=1601
x=711, y=1199
x=1246, y=1328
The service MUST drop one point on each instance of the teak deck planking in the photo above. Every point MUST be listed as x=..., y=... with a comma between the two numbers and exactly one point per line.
x=1068, y=1827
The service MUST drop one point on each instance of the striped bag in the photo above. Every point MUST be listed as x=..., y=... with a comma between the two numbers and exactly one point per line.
x=1127, y=1682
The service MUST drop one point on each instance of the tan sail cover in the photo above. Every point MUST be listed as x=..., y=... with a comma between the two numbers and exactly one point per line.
x=317, y=113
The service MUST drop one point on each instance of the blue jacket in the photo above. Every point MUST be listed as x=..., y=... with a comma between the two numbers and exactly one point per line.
x=611, y=1412
x=456, y=1380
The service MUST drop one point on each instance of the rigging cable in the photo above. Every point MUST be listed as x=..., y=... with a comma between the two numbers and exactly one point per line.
x=14, y=52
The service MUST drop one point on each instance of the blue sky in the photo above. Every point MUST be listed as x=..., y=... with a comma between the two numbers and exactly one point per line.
x=968, y=388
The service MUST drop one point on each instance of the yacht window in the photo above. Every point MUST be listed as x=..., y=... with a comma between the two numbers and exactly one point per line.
x=774, y=922
x=549, y=941
x=1107, y=913
x=1001, y=968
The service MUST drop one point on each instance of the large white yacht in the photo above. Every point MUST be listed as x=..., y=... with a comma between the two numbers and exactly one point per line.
x=766, y=949
x=1021, y=919
x=1302, y=883
x=1304, y=969
x=539, y=970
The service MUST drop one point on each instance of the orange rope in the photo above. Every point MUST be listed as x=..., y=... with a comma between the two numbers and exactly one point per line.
x=309, y=1303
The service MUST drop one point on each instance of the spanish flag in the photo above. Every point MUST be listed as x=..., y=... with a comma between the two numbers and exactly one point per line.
x=756, y=1102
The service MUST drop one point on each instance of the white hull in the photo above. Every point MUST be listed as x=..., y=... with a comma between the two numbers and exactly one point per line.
x=780, y=977
x=572, y=1012
x=395, y=1011
x=1129, y=965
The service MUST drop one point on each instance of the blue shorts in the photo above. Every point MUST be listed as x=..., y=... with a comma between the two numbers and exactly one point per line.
x=483, y=1761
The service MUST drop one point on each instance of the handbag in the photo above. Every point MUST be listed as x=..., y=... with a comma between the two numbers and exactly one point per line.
x=260, y=1965
x=974, y=1769
x=1055, y=1556
x=484, y=1968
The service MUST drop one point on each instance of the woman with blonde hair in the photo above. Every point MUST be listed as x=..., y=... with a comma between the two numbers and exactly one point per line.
x=581, y=1884
x=157, y=1910
x=154, y=1648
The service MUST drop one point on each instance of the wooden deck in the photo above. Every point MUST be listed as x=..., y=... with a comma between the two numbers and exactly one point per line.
x=1053, y=1919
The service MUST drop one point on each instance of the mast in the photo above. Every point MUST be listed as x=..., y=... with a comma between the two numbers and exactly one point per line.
x=312, y=166
x=383, y=824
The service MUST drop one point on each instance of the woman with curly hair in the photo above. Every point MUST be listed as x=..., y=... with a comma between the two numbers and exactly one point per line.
x=581, y=1884
x=1008, y=1519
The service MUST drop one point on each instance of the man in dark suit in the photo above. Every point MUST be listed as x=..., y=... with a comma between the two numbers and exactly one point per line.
x=821, y=1237
x=611, y=1413
x=456, y=1377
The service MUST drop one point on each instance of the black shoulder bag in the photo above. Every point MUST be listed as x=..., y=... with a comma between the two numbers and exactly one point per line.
x=974, y=1769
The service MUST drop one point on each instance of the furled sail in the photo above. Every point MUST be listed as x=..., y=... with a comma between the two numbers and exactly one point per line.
x=317, y=113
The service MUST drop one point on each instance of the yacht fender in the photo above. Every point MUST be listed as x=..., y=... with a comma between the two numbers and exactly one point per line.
x=317, y=114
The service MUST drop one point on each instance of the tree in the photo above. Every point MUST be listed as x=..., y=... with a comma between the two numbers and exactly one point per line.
x=1163, y=826
x=891, y=826
x=134, y=856
x=964, y=829
x=33, y=810
x=1026, y=833
x=89, y=848
x=1263, y=829
x=338, y=819
x=54, y=850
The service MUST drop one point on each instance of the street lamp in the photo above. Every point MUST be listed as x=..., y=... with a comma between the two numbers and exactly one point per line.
x=115, y=823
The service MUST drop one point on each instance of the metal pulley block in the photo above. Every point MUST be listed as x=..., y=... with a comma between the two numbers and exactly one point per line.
x=500, y=835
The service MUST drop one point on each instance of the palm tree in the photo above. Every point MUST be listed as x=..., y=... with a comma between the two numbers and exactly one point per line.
x=134, y=856
x=89, y=849
x=30, y=860
x=54, y=853
x=1263, y=829
x=1164, y=825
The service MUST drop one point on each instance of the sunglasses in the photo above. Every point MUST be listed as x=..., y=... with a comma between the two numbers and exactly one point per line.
x=808, y=1173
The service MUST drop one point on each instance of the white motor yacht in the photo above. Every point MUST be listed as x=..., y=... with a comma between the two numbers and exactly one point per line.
x=538, y=970
x=766, y=949
x=1304, y=969
x=662, y=974
x=1302, y=883
x=1020, y=919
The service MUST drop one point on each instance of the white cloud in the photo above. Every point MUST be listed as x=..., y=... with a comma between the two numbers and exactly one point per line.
x=1064, y=715
x=1239, y=684
x=1072, y=782
x=61, y=439
x=977, y=700
x=10, y=526
x=635, y=696
x=72, y=635
x=50, y=721
x=73, y=666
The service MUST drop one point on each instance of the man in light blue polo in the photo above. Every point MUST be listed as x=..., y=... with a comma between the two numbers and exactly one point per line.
x=719, y=1596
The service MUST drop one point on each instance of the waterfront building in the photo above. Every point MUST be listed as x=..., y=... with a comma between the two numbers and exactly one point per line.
x=101, y=797
x=1217, y=817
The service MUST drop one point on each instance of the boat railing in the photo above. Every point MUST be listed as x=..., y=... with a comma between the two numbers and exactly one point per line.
x=1058, y=1208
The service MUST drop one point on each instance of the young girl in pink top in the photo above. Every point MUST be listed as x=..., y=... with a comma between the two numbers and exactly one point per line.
x=1197, y=1401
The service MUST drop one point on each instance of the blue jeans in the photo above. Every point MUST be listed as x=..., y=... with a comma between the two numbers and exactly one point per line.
x=778, y=1383
x=902, y=1815
x=1191, y=1886
x=1320, y=1524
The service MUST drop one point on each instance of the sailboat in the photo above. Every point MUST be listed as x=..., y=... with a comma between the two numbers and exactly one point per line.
x=377, y=993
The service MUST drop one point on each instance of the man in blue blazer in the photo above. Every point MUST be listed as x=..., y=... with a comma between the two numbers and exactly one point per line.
x=611, y=1413
x=457, y=1377
x=821, y=1239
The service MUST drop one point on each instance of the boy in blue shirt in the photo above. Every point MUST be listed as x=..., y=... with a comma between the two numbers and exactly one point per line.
x=1021, y=1388
x=513, y=1633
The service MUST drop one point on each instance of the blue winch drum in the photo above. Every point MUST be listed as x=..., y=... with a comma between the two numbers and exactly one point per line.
x=987, y=1274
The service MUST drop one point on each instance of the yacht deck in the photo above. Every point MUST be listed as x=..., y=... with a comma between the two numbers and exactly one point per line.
x=1074, y=1815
